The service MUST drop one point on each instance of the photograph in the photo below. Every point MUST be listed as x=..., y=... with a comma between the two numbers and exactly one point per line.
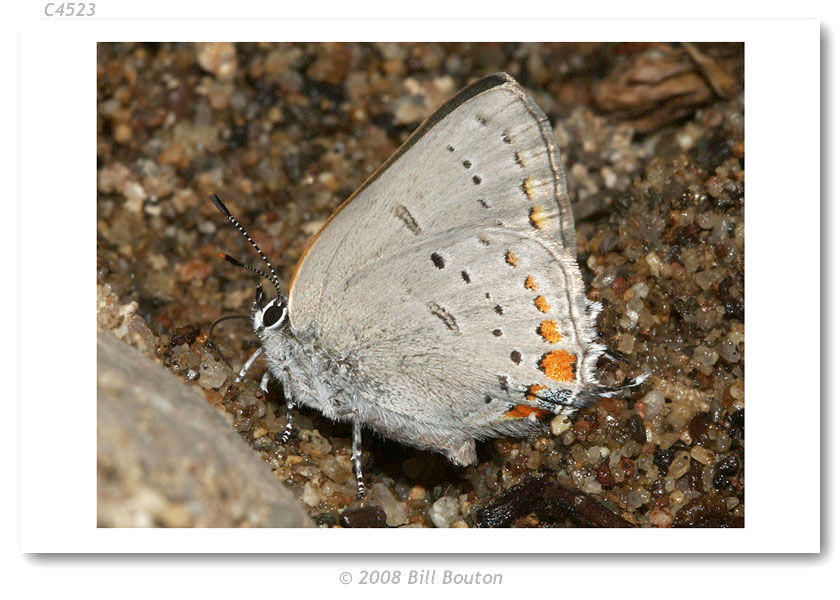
x=420, y=285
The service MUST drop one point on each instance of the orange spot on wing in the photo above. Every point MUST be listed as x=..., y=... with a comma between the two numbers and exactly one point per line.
x=538, y=218
x=511, y=259
x=523, y=411
x=530, y=283
x=542, y=304
x=532, y=392
x=528, y=188
x=559, y=365
x=548, y=331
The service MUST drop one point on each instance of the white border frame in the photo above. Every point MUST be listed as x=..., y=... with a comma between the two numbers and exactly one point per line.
x=58, y=216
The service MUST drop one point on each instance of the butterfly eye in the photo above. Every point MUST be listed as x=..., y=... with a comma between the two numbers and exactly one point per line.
x=273, y=315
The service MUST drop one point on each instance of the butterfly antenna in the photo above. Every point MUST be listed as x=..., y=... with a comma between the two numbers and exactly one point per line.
x=273, y=277
x=241, y=265
x=222, y=320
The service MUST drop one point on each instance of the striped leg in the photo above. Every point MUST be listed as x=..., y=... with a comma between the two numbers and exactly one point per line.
x=286, y=435
x=287, y=430
x=357, y=456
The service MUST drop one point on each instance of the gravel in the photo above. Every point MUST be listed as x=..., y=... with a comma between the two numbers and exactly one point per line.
x=285, y=132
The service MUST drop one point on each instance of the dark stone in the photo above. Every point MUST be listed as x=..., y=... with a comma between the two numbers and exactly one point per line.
x=698, y=425
x=185, y=335
x=663, y=458
x=706, y=511
x=366, y=516
x=325, y=519
x=551, y=502
x=637, y=429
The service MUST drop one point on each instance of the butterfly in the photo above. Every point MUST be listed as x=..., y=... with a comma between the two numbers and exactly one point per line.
x=442, y=302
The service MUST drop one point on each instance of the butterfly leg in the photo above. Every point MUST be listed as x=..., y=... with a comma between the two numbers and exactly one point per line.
x=287, y=430
x=284, y=437
x=248, y=364
x=357, y=455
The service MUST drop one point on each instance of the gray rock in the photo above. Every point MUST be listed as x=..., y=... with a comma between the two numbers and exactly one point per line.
x=166, y=458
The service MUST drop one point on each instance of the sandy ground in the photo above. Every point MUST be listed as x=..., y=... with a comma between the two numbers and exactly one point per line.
x=652, y=140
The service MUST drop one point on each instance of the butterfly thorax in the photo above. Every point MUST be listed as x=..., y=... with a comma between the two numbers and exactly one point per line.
x=310, y=376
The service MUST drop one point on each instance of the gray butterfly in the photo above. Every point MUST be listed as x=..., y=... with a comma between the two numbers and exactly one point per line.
x=442, y=303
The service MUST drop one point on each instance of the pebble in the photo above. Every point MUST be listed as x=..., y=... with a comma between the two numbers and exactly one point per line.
x=123, y=133
x=654, y=263
x=311, y=494
x=702, y=455
x=705, y=356
x=135, y=195
x=319, y=444
x=640, y=290
x=637, y=429
x=707, y=220
x=706, y=279
x=679, y=466
x=417, y=492
x=336, y=470
x=660, y=518
x=443, y=512
x=213, y=373
x=654, y=402
x=626, y=341
x=176, y=515
x=218, y=58
x=395, y=513
x=560, y=424
x=366, y=516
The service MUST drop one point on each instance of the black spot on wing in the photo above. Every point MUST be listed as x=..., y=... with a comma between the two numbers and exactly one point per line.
x=445, y=316
x=403, y=214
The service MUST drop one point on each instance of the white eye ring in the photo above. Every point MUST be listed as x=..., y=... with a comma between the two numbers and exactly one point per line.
x=269, y=317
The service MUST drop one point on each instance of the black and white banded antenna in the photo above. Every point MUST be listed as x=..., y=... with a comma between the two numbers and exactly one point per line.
x=271, y=275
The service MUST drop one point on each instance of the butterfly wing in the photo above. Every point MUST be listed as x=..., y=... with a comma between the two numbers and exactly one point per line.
x=450, y=276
